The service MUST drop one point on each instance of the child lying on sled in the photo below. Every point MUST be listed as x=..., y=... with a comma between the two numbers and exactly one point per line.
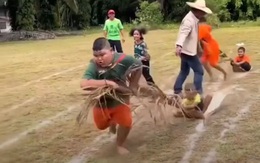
x=192, y=105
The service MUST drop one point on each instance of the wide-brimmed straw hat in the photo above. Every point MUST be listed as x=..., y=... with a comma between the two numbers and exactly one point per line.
x=200, y=5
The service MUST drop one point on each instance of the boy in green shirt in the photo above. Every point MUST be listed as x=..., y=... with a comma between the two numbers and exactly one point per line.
x=108, y=68
x=112, y=30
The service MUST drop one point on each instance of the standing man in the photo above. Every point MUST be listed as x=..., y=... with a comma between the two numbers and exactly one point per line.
x=187, y=46
x=112, y=30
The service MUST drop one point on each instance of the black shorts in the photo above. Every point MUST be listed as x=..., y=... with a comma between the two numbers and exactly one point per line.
x=246, y=66
x=116, y=45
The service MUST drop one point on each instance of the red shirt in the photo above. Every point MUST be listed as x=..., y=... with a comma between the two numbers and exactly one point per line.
x=241, y=59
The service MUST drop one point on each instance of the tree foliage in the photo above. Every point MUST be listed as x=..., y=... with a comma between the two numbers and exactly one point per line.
x=26, y=15
x=149, y=13
x=82, y=18
x=80, y=14
x=46, y=18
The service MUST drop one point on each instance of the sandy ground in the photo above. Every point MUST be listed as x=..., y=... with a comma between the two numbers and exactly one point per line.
x=40, y=100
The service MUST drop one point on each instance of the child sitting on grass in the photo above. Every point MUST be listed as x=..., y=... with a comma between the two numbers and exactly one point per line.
x=141, y=52
x=193, y=104
x=242, y=62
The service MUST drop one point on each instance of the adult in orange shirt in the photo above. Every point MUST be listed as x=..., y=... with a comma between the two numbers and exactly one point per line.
x=211, y=50
x=242, y=62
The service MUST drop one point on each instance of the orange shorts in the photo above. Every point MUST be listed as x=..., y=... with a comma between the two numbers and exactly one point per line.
x=210, y=54
x=120, y=115
x=212, y=59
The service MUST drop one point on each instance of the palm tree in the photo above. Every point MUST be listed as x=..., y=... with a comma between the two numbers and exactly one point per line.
x=73, y=5
x=64, y=8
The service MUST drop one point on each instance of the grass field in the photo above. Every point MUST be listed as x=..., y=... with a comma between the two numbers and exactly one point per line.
x=40, y=99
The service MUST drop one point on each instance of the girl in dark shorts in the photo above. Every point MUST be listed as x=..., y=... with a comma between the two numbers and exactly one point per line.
x=141, y=52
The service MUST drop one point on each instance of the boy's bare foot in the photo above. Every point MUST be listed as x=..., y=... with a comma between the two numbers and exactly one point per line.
x=112, y=129
x=122, y=151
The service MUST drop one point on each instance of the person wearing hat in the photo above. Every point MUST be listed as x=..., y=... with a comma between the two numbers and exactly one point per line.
x=187, y=46
x=112, y=30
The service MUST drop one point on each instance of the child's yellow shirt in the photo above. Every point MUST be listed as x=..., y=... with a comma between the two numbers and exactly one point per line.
x=196, y=100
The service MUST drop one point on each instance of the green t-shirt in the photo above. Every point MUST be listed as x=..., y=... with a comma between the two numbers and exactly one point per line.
x=113, y=28
x=141, y=50
x=116, y=74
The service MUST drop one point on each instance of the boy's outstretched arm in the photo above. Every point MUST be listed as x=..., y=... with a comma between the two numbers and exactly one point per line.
x=92, y=83
x=90, y=79
x=239, y=63
x=105, y=29
x=121, y=31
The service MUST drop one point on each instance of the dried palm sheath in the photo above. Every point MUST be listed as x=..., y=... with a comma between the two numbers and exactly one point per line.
x=157, y=113
x=92, y=98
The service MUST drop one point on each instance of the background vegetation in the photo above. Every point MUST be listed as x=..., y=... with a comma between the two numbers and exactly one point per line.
x=82, y=14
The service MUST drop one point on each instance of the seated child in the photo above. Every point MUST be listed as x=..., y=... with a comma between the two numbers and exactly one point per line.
x=242, y=62
x=193, y=104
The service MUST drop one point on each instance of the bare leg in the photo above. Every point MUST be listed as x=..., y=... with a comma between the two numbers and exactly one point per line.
x=208, y=69
x=221, y=70
x=112, y=128
x=122, y=133
x=196, y=114
x=206, y=102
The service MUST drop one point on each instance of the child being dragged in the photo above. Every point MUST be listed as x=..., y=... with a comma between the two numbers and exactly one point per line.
x=242, y=62
x=193, y=105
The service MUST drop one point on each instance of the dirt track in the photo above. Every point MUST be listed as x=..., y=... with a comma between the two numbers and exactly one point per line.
x=40, y=95
x=180, y=139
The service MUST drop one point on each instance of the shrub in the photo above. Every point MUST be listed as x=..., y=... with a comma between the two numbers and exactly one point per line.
x=213, y=20
x=149, y=14
x=26, y=15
